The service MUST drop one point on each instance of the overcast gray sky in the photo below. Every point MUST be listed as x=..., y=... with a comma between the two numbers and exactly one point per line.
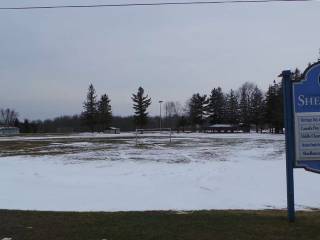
x=49, y=57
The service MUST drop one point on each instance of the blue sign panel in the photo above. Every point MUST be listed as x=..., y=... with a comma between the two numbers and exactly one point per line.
x=306, y=116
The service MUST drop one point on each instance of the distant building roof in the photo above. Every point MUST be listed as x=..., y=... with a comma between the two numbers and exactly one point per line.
x=112, y=128
x=3, y=127
x=221, y=126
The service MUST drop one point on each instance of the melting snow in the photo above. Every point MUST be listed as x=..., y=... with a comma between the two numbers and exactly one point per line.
x=198, y=171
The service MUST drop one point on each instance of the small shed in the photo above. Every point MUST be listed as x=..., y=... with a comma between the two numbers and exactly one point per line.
x=9, y=131
x=222, y=128
x=112, y=130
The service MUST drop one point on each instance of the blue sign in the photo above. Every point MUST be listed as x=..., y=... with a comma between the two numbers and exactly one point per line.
x=302, y=126
x=306, y=118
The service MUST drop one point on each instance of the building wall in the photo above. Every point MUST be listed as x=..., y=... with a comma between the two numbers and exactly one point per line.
x=7, y=131
x=112, y=131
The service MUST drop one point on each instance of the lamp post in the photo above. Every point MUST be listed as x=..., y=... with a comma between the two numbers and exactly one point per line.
x=160, y=102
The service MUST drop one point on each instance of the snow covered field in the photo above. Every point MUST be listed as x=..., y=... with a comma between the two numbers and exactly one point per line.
x=100, y=172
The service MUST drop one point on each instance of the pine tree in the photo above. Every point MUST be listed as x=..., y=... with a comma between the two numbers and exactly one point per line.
x=270, y=103
x=140, y=106
x=104, y=112
x=182, y=123
x=90, y=108
x=197, y=109
x=231, y=108
x=296, y=75
x=257, y=108
x=16, y=123
x=216, y=106
x=274, y=108
x=26, y=127
x=279, y=121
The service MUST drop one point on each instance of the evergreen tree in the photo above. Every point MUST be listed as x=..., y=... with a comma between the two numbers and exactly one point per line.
x=182, y=123
x=274, y=108
x=26, y=126
x=197, y=109
x=231, y=108
x=269, y=107
x=296, y=75
x=90, y=108
x=140, y=106
x=279, y=118
x=257, y=108
x=104, y=112
x=216, y=106
x=16, y=123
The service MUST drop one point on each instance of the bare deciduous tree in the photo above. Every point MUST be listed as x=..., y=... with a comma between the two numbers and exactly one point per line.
x=172, y=111
x=8, y=117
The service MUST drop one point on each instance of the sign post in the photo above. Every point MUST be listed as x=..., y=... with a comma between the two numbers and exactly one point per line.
x=288, y=113
x=302, y=126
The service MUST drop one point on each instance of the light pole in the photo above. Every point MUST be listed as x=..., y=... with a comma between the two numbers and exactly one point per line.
x=160, y=114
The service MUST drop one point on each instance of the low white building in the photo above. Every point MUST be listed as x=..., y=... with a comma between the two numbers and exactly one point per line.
x=9, y=131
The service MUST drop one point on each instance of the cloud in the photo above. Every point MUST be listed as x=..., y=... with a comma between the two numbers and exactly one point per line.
x=48, y=58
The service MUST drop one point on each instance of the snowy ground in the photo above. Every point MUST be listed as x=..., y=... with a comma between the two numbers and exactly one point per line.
x=100, y=172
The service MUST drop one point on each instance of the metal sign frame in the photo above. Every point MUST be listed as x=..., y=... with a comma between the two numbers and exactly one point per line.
x=297, y=112
x=307, y=86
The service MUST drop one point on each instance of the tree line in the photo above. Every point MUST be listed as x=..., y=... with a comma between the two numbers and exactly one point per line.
x=247, y=105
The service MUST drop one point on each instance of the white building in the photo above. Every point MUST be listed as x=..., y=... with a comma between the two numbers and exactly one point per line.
x=9, y=131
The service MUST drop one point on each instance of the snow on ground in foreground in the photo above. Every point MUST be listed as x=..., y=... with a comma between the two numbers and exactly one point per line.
x=198, y=171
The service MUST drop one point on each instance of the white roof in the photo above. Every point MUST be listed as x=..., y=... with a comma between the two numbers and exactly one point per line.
x=112, y=128
x=220, y=125
x=8, y=128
